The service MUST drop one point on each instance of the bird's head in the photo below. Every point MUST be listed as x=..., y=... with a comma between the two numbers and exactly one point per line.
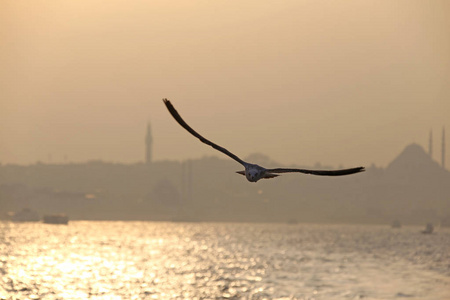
x=253, y=173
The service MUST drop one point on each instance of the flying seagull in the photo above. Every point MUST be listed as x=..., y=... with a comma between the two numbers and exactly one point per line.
x=253, y=172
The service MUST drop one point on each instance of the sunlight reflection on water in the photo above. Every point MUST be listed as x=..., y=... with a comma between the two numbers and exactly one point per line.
x=145, y=260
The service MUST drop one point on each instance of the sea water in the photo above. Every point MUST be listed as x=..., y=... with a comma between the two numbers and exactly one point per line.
x=156, y=260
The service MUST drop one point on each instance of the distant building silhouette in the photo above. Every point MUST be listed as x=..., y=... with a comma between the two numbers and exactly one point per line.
x=148, y=145
x=443, y=147
x=430, y=144
x=186, y=181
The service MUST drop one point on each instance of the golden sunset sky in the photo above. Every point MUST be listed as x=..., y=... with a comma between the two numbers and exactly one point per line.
x=337, y=82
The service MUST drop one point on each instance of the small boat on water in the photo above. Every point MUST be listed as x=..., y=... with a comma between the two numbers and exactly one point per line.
x=428, y=229
x=396, y=224
x=56, y=219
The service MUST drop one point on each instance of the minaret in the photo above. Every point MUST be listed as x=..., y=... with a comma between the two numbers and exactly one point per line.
x=430, y=144
x=148, y=145
x=443, y=147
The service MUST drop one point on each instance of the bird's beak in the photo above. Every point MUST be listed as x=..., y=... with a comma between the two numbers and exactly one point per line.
x=241, y=172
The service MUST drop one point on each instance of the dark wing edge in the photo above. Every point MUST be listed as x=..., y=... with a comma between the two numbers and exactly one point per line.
x=183, y=124
x=319, y=172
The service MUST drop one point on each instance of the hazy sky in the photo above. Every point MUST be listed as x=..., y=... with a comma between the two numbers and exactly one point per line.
x=338, y=82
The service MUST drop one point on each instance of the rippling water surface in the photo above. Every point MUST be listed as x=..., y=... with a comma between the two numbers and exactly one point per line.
x=145, y=260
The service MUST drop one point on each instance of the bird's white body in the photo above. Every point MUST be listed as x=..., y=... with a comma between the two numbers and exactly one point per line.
x=253, y=173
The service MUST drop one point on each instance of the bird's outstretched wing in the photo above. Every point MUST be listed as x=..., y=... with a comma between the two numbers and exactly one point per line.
x=180, y=121
x=319, y=172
